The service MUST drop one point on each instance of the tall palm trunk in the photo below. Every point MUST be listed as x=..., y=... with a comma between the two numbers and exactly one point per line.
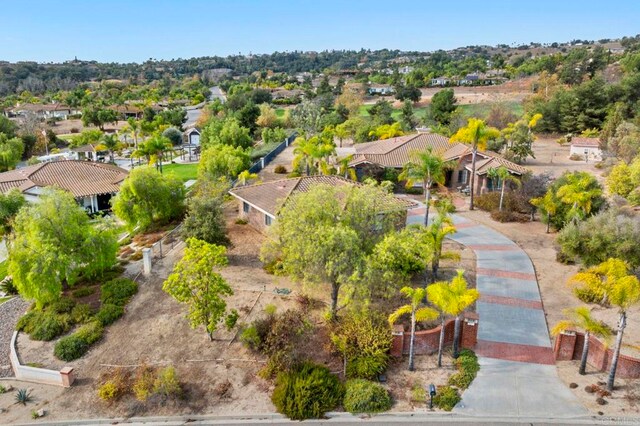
x=473, y=175
x=501, y=195
x=441, y=343
x=456, y=337
x=585, y=353
x=335, y=287
x=427, y=192
x=616, y=352
x=412, y=339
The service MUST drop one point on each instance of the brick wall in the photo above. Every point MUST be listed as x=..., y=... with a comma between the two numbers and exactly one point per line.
x=568, y=346
x=427, y=341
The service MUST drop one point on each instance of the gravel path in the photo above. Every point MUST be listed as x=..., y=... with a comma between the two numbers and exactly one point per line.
x=10, y=311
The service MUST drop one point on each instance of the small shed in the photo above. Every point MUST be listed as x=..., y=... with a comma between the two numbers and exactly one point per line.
x=193, y=136
x=587, y=148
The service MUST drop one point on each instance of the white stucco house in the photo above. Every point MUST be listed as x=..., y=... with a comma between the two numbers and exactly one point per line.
x=587, y=148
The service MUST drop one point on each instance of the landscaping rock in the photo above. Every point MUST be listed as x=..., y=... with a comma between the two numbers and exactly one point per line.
x=573, y=385
x=10, y=312
x=601, y=401
x=589, y=389
x=41, y=412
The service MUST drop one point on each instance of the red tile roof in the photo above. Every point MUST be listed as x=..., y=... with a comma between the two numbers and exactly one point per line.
x=81, y=178
x=585, y=142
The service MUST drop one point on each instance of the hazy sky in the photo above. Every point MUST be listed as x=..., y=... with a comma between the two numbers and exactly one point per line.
x=135, y=30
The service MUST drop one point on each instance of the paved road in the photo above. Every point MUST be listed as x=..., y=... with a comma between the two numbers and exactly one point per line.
x=517, y=375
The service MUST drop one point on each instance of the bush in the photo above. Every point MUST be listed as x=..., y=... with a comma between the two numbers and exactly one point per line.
x=364, y=339
x=509, y=216
x=118, y=291
x=83, y=292
x=81, y=313
x=144, y=382
x=108, y=391
x=62, y=306
x=114, y=385
x=70, y=348
x=307, y=391
x=90, y=333
x=446, y=398
x=468, y=368
x=280, y=169
x=250, y=338
x=7, y=286
x=47, y=326
x=167, y=383
x=109, y=313
x=414, y=190
x=418, y=393
x=363, y=396
x=231, y=320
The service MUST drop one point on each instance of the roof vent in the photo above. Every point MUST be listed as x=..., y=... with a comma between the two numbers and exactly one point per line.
x=423, y=129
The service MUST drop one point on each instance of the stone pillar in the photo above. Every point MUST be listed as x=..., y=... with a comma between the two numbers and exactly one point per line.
x=469, y=330
x=68, y=376
x=565, y=346
x=262, y=163
x=397, y=344
x=146, y=260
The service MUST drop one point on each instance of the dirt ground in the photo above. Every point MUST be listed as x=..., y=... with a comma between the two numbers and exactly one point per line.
x=65, y=127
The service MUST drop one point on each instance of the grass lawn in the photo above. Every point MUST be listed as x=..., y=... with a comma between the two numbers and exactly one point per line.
x=4, y=299
x=280, y=112
x=3, y=269
x=183, y=172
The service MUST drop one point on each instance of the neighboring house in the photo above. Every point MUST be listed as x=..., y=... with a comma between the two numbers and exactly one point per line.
x=440, y=81
x=191, y=146
x=587, y=148
x=380, y=89
x=293, y=95
x=259, y=204
x=43, y=111
x=126, y=111
x=92, y=184
x=469, y=79
x=85, y=152
x=396, y=152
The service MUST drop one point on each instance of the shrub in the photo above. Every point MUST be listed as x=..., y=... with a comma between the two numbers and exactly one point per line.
x=468, y=368
x=81, y=313
x=446, y=398
x=418, y=393
x=108, y=391
x=144, y=382
x=231, y=320
x=114, y=385
x=307, y=391
x=109, y=313
x=118, y=291
x=364, y=339
x=280, y=169
x=2, y=389
x=239, y=221
x=83, y=292
x=167, y=383
x=90, y=333
x=363, y=396
x=70, y=347
x=509, y=216
x=47, y=326
x=23, y=396
x=7, y=286
x=136, y=256
x=414, y=190
x=250, y=337
x=62, y=306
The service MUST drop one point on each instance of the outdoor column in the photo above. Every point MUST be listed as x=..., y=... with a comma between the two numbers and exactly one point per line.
x=146, y=260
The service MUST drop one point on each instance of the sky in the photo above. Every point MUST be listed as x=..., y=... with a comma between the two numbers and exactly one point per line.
x=136, y=30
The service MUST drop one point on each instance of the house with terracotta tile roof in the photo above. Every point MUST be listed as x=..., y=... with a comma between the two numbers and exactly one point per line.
x=586, y=148
x=396, y=152
x=92, y=184
x=259, y=204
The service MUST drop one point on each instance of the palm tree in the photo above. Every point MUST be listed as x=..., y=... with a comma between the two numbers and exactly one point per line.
x=502, y=175
x=548, y=204
x=476, y=134
x=343, y=168
x=313, y=153
x=451, y=298
x=342, y=132
x=154, y=150
x=246, y=176
x=612, y=282
x=109, y=143
x=577, y=193
x=581, y=318
x=434, y=234
x=416, y=295
x=134, y=127
x=428, y=168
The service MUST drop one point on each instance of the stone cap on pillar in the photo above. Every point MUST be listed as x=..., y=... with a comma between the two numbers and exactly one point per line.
x=471, y=318
x=398, y=330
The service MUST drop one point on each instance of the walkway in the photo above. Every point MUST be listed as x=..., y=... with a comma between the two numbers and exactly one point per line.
x=517, y=377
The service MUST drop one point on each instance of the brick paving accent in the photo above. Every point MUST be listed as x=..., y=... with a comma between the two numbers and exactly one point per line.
x=511, y=301
x=505, y=274
x=465, y=225
x=515, y=352
x=494, y=247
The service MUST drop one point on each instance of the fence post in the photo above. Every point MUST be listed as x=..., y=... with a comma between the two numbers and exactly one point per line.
x=160, y=247
x=146, y=260
x=262, y=163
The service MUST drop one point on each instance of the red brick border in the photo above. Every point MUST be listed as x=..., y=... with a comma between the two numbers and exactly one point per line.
x=506, y=274
x=514, y=352
x=511, y=301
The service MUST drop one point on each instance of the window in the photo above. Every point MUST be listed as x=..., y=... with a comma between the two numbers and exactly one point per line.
x=267, y=220
x=462, y=176
x=246, y=207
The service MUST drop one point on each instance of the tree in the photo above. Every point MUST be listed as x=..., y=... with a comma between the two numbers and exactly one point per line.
x=323, y=235
x=154, y=150
x=109, y=143
x=381, y=112
x=246, y=177
x=7, y=127
x=133, y=126
x=267, y=117
x=174, y=135
x=387, y=131
x=407, y=118
x=146, y=197
x=342, y=132
x=226, y=132
x=98, y=117
x=312, y=154
x=418, y=314
x=204, y=219
x=11, y=151
x=581, y=318
x=476, y=134
x=434, y=234
x=427, y=168
x=196, y=282
x=408, y=92
x=548, y=204
x=451, y=298
x=520, y=137
x=443, y=103
x=10, y=204
x=612, y=281
x=223, y=161
x=580, y=193
x=53, y=243
x=502, y=175
x=307, y=116
x=500, y=115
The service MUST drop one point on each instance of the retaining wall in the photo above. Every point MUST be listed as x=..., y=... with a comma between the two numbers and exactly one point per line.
x=64, y=377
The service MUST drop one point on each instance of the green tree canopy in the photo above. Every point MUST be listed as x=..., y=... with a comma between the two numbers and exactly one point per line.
x=205, y=218
x=53, y=243
x=11, y=151
x=148, y=197
x=10, y=203
x=443, y=103
x=223, y=161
